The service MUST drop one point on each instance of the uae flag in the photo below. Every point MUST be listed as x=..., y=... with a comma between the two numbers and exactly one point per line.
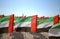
x=55, y=29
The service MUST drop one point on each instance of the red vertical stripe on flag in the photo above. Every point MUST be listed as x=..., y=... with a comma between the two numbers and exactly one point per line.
x=11, y=23
x=42, y=18
x=59, y=18
x=56, y=19
x=34, y=23
x=1, y=16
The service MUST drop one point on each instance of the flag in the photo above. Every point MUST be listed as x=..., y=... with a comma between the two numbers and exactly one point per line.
x=4, y=22
x=55, y=29
x=45, y=23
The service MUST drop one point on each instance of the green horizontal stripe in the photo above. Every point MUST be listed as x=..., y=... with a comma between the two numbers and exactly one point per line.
x=45, y=20
x=18, y=20
x=27, y=19
x=57, y=26
x=4, y=19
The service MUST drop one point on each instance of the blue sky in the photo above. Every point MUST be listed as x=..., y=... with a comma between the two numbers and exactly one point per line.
x=30, y=7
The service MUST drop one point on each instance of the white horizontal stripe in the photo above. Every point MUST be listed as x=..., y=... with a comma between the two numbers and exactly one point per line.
x=23, y=24
x=45, y=25
x=54, y=32
x=27, y=24
x=4, y=24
